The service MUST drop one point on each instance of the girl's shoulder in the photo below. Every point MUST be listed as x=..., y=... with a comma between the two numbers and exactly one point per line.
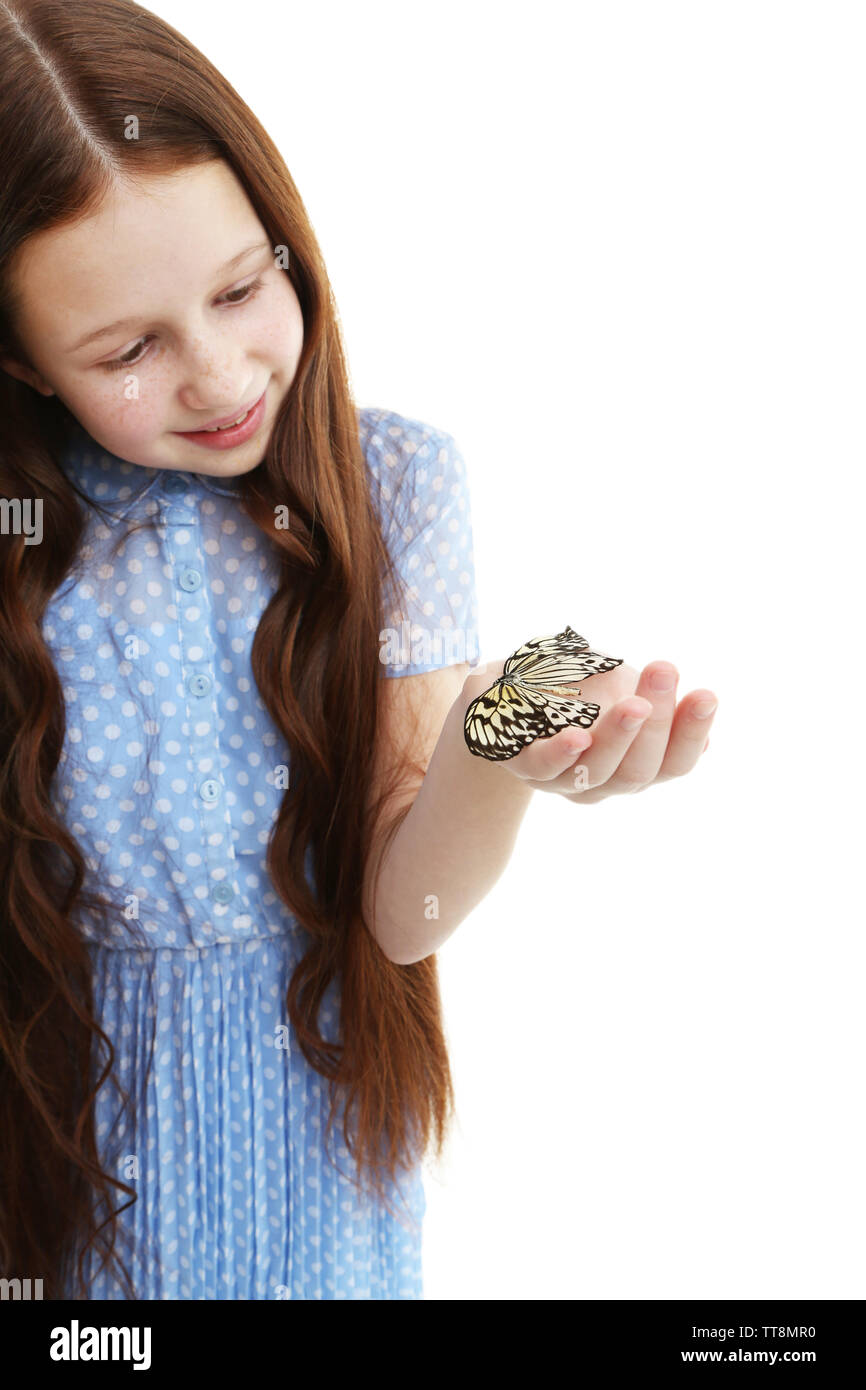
x=408, y=459
x=419, y=484
x=383, y=429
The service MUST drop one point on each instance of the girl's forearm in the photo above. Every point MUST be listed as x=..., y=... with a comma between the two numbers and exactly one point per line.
x=450, y=849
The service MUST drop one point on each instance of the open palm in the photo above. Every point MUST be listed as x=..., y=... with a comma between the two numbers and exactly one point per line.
x=641, y=736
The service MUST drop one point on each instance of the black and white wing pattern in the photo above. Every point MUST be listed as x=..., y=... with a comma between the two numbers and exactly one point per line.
x=535, y=696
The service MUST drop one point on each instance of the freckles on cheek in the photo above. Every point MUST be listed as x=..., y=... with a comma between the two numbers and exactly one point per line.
x=282, y=333
x=129, y=410
x=282, y=345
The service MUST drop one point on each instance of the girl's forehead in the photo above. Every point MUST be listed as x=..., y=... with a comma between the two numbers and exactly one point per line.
x=146, y=241
x=207, y=199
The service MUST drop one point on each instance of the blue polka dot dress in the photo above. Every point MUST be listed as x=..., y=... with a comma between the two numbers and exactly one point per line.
x=170, y=780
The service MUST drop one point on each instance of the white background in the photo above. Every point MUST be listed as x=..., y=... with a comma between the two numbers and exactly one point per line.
x=617, y=250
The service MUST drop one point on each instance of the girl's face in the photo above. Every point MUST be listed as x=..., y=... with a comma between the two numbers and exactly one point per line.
x=189, y=314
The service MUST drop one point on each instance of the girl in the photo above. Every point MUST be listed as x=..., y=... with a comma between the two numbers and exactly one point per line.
x=222, y=833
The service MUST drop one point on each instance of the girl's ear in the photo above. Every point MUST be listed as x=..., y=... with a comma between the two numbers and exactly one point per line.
x=26, y=374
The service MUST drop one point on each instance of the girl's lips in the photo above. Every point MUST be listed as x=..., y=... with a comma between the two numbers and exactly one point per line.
x=235, y=434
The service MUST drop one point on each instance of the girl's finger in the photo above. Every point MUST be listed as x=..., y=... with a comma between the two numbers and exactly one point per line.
x=689, y=734
x=547, y=758
x=645, y=754
x=612, y=736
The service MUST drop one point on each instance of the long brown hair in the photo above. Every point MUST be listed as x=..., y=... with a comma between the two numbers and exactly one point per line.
x=72, y=75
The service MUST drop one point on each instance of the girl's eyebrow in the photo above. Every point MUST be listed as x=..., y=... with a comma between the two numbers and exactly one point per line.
x=131, y=322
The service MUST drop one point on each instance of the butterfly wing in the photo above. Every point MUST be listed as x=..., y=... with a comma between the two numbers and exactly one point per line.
x=509, y=716
x=512, y=714
x=564, y=659
x=565, y=643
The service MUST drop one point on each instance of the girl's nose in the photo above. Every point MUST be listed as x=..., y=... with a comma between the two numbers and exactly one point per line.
x=215, y=377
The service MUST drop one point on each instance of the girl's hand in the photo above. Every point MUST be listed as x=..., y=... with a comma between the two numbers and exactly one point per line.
x=620, y=755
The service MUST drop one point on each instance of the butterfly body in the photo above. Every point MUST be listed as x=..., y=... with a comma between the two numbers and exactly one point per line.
x=536, y=696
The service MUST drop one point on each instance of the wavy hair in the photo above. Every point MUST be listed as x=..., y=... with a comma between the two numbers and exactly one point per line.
x=72, y=75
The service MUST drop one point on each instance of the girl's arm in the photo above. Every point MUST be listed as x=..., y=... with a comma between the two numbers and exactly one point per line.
x=458, y=826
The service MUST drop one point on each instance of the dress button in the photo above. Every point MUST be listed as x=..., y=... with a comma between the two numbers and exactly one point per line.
x=176, y=482
x=198, y=685
x=210, y=790
x=222, y=893
x=190, y=580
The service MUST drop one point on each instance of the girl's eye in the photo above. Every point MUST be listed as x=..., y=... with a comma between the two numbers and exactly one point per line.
x=133, y=356
x=246, y=291
x=127, y=360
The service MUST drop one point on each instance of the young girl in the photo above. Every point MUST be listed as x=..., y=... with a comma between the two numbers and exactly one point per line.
x=230, y=849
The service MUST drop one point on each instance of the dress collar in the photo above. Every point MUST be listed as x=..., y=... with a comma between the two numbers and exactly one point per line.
x=120, y=485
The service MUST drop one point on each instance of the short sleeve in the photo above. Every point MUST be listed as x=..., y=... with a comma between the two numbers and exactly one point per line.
x=420, y=489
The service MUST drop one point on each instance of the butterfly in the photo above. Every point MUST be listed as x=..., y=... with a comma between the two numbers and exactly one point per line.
x=535, y=696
